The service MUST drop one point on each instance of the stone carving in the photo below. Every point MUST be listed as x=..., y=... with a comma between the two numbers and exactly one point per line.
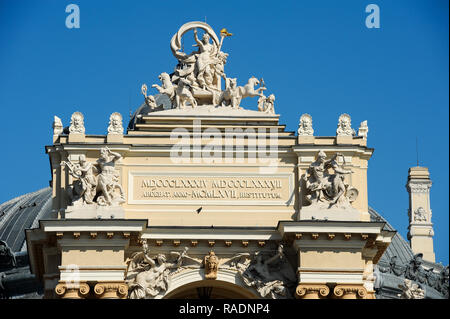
x=7, y=258
x=305, y=126
x=345, y=126
x=89, y=188
x=108, y=180
x=272, y=277
x=149, y=276
x=420, y=215
x=77, y=123
x=415, y=271
x=411, y=290
x=418, y=187
x=57, y=126
x=115, y=124
x=265, y=104
x=442, y=284
x=149, y=99
x=363, y=130
x=84, y=189
x=211, y=265
x=326, y=189
x=167, y=87
x=197, y=77
x=231, y=96
x=183, y=94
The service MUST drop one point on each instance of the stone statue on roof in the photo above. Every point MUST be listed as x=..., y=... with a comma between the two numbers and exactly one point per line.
x=197, y=78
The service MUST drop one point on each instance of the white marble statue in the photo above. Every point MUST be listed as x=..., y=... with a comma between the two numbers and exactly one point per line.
x=266, y=104
x=57, y=126
x=115, y=124
x=149, y=99
x=411, y=290
x=420, y=215
x=83, y=189
x=197, y=77
x=327, y=189
x=167, y=87
x=305, y=127
x=108, y=178
x=345, y=126
x=77, y=123
x=183, y=95
x=363, y=130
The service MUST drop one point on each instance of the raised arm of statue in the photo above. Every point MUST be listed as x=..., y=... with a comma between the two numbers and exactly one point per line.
x=277, y=256
x=117, y=156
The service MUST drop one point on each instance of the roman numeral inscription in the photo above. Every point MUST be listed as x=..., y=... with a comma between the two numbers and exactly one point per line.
x=210, y=188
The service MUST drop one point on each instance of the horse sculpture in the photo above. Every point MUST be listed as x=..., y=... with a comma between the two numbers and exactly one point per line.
x=248, y=90
x=167, y=86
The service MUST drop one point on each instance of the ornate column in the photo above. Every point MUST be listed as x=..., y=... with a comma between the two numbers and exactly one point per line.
x=111, y=290
x=349, y=291
x=312, y=291
x=70, y=290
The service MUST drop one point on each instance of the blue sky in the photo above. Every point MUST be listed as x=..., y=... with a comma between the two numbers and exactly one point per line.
x=317, y=57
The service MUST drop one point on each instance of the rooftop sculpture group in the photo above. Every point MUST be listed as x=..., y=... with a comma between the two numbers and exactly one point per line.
x=197, y=78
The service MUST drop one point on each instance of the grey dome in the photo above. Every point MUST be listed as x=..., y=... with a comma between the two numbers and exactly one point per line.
x=21, y=213
x=162, y=101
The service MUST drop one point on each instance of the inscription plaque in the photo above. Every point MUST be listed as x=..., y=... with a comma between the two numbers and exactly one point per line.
x=211, y=189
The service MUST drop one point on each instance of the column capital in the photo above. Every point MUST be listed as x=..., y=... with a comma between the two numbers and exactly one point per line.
x=71, y=290
x=350, y=292
x=111, y=290
x=311, y=291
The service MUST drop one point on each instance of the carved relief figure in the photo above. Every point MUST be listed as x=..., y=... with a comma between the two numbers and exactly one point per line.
x=327, y=189
x=420, y=215
x=107, y=179
x=271, y=277
x=345, y=126
x=77, y=123
x=305, y=126
x=115, y=124
x=83, y=190
x=211, y=265
x=149, y=276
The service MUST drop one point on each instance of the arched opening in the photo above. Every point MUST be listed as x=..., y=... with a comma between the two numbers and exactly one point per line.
x=210, y=289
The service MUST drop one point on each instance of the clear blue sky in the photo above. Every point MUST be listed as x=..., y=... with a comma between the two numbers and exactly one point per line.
x=317, y=57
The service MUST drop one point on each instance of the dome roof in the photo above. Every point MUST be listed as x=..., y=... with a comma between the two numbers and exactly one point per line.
x=21, y=213
x=161, y=100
